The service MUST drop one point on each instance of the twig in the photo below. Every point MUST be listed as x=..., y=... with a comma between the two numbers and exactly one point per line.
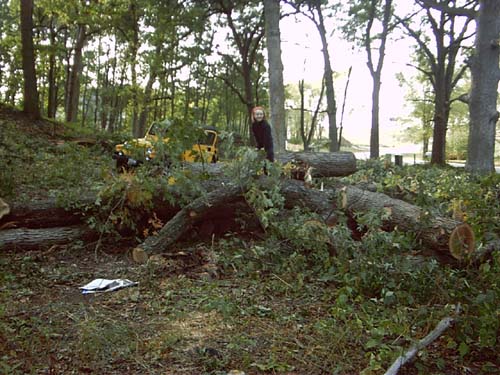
x=406, y=357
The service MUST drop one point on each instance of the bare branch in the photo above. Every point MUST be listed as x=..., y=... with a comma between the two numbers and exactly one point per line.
x=461, y=11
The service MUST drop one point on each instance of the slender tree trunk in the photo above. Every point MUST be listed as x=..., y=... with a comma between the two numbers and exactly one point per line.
x=331, y=106
x=376, y=71
x=31, y=105
x=134, y=49
x=440, y=128
x=276, y=87
x=74, y=78
x=52, y=94
x=484, y=90
x=374, y=132
x=302, y=124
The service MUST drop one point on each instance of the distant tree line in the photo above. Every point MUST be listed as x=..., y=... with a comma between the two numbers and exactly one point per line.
x=117, y=65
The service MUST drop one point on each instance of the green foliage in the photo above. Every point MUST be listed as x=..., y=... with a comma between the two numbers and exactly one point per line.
x=36, y=166
x=102, y=340
x=262, y=195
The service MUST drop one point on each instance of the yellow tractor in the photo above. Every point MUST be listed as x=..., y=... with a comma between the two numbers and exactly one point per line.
x=155, y=144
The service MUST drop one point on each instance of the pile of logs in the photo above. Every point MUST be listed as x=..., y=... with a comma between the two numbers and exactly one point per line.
x=43, y=223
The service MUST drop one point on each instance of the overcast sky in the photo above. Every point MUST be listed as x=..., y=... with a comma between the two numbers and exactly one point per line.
x=302, y=58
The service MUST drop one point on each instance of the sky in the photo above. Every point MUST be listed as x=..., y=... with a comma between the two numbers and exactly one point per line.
x=302, y=59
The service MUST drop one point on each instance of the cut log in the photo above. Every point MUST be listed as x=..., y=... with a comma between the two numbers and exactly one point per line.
x=37, y=238
x=434, y=231
x=437, y=234
x=323, y=164
x=45, y=214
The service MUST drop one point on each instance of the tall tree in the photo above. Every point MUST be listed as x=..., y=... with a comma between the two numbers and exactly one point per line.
x=314, y=12
x=448, y=35
x=484, y=91
x=246, y=25
x=420, y=118
x=73, y=87
x=30, y=93
x=276, y=87
x=366, y=14
x=305, y=134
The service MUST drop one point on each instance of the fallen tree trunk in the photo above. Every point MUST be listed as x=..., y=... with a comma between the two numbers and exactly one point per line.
x=295, y=193
x=323, y=164
x=184, y=221
x=435, y=232
x=45, y=214
x=29, y=239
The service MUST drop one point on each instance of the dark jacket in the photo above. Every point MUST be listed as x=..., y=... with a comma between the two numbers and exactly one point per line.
x=264, y=138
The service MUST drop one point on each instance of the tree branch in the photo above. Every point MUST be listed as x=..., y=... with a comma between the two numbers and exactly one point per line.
x=461, y=11
x=444, y=324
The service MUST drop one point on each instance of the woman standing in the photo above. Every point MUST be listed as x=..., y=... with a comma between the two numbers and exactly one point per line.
x=262, y=132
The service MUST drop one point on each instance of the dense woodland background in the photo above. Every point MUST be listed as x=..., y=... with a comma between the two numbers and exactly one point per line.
x=116, y=66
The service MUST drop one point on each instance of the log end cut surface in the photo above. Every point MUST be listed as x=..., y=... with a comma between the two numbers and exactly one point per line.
x=139, y=255
x=461, y=241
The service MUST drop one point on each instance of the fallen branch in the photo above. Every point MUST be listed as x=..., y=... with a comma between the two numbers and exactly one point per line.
x=184, y=220
x=444, y=324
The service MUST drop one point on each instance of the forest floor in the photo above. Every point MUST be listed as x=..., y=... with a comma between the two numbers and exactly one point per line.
x=208, y=307
x=184, y=317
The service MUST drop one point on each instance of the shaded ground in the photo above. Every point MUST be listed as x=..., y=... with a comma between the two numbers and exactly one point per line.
x=185, y=317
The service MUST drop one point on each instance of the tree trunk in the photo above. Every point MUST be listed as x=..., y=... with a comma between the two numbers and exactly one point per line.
x=46, y=213
x=484, y=90
x=374, y=132
x=276, y=87
x=331, y=104
x=28, y=239
x=441, y=111
x=73, y=94
x=439, y=235
x=376, y=71
x=30, y=93
x=323, y=164
x=52, y=94
x=434, y=232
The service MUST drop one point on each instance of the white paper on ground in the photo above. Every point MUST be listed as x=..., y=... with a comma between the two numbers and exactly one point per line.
x=105, y=285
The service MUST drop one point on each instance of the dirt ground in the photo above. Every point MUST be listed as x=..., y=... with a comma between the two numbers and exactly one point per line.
x=49, y=326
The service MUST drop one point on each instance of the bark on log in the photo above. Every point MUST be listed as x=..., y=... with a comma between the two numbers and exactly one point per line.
x=324, y=164
x=433, y=231
x=44, y=214
x=28, y=239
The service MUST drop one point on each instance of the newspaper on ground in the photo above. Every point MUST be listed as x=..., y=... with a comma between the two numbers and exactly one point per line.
x=105, y=285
